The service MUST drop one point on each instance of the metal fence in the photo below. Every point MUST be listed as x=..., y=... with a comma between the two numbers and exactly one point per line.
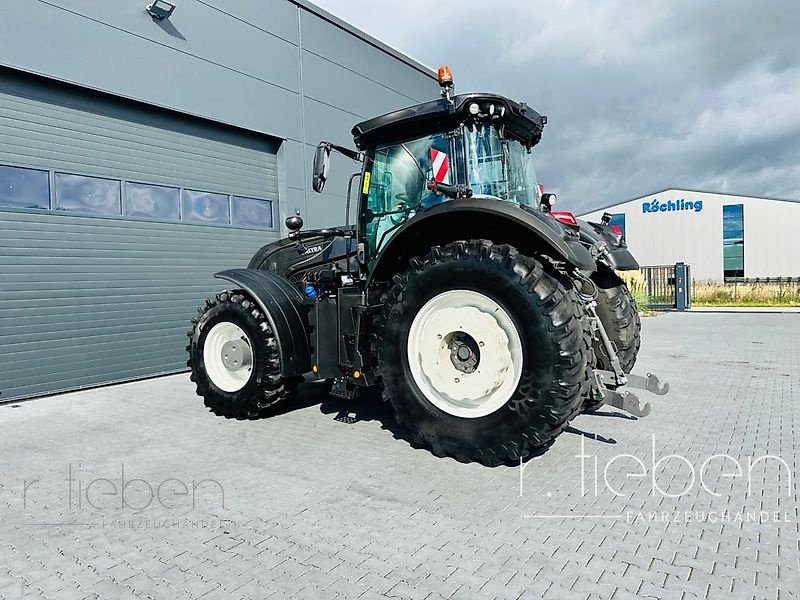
x=781, y=282
x=668, y=286
x=750, y=291
x=660, y=285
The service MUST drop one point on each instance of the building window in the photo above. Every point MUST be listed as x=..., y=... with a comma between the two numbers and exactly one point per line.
x=87, y=194
x=250, y=212
x=733, y=240
x=24, y=188
x=205, y=207
x=152, y=201
x=619, y=221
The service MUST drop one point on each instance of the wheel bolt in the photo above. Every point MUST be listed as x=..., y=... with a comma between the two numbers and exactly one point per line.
x=458, y=380
x=480, y=344
x=439, y=336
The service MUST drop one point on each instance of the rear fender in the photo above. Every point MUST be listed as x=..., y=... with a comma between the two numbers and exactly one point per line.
x=285, y=310
x=530, y=231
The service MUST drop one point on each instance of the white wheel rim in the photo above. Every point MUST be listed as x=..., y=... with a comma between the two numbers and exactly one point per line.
x=228, y=356
x=491, y=384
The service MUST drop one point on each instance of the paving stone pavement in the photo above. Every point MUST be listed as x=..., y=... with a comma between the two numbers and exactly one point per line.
x=136, y=491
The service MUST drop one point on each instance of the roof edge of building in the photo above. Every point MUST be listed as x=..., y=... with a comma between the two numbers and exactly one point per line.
x=586, y=212
x=363, y=35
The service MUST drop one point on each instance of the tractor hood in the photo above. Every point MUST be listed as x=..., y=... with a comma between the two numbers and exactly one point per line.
x=518, y=120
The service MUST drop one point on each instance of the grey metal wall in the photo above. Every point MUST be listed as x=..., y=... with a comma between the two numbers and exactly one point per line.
x=279, y=67
x=86, y=300
x=92, y=299
x=254, y=85
x=49, y=126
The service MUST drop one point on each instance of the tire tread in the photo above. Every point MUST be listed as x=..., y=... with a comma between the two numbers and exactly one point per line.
x=549, y=407
x=272, y=389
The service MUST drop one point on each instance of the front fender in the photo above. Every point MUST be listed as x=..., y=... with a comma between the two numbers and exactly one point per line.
x=285, y=310
x=618, y=257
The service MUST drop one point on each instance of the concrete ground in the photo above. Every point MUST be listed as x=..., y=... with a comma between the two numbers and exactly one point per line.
x=136, y=491
x=746, y=309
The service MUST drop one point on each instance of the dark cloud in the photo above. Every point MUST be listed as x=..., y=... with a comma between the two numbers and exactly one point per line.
x=640, y=96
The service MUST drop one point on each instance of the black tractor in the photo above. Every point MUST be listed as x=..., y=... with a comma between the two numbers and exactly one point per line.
x=487, y=319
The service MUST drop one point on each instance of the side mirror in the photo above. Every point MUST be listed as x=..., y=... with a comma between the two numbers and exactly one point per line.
x=322, y=161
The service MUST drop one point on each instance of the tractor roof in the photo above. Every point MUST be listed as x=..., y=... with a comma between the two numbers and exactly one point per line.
x=520, y=121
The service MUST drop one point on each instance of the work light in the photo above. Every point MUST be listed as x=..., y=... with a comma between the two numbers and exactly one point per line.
x=160, y=9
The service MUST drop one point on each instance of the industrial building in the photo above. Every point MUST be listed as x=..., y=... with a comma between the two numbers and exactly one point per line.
x=721, y=236
x=144, y=147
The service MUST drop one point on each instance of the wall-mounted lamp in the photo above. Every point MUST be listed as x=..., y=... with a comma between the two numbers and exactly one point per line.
x=160, y=9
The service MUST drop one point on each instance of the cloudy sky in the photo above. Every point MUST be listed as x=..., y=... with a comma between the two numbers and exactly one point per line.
x=640, y=96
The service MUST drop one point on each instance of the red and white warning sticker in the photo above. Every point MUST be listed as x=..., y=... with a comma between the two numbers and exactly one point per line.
x=441, y=166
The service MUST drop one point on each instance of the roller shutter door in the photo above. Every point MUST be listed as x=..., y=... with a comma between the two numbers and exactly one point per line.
x=113, y=218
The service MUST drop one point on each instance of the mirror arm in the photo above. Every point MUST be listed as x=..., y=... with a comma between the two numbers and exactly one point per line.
x=351, y=154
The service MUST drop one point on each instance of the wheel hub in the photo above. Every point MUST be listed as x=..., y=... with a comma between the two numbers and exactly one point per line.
x=228, y=356
x=465, y=353
x=236, y=354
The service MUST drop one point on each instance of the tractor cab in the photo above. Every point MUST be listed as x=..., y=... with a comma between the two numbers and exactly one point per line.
x=473, y=155
x=468, y=146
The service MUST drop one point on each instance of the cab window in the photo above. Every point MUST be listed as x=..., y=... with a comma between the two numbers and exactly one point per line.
x=398, y=184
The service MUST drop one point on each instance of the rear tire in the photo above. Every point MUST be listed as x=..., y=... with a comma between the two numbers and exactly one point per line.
x=617, y=311
x=240, y=380
x=527, y=324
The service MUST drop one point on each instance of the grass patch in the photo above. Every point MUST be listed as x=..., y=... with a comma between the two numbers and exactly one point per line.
x=711, y=293
x=638, y=288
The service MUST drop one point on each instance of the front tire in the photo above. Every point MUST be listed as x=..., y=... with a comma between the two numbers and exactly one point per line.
x=617, y=311
x=484, y=354
x=233, y=357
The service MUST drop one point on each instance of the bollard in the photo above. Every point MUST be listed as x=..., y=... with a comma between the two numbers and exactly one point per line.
x=683, y=284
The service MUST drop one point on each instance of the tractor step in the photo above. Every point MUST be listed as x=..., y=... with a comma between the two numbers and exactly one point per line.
x=343, y=388
x=609, y=387
x=346, y=417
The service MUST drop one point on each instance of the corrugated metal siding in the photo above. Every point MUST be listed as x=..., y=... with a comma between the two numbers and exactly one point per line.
x=88, y=300
x=53, y=127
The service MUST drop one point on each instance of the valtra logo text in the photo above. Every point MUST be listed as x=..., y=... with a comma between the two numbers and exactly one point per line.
x=654, y=205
